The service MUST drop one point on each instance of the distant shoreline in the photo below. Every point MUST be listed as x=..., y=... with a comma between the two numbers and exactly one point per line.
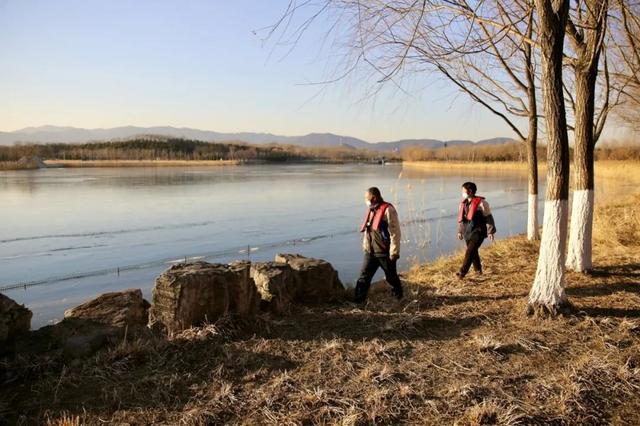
x=140, y=163
x=501, y=165
x=58, y=163
x=497, y=166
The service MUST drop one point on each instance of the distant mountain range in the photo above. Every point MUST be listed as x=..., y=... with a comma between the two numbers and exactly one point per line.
x=50, y=134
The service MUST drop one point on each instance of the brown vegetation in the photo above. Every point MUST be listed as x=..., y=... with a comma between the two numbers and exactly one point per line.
x=472, y=153
x=511, y=152
x=16, y=165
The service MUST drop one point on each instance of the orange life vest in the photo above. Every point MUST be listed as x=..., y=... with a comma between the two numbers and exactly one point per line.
x=473, y=207
x=374, y=223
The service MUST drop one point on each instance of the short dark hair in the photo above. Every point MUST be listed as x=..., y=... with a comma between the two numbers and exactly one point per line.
x=375, y=192
x=471, y=187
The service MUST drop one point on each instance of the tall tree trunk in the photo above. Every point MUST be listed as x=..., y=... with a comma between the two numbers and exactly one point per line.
x=588, y=44
x=532, y=136
x=579, y=254
x=547, y=293
x=532, y=165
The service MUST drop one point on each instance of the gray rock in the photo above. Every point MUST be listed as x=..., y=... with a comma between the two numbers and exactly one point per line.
x=14, y=319
x=243, y=294
x=276, y=285
x=84, y=345
x=315, y=279
x=118, y=309
x=189, y=294
x=71, y=337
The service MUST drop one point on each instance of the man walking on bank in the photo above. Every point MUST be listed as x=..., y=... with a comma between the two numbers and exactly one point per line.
x=475, y=223
x=381, y=245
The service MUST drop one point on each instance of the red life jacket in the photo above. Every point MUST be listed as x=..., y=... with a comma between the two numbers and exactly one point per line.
x=374, y=225
x=473, y=207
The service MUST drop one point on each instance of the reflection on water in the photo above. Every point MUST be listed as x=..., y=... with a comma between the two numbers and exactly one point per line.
x=80, y=232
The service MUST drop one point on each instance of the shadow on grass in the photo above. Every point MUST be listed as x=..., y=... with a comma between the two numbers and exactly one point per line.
x=140, y=379
x=604, y=289
x=362, y=325
x=629, y=270
x=608, y=312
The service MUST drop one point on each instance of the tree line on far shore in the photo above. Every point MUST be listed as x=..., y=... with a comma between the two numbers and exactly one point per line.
x=513, y=151
x=185, y=149
x=156, y=148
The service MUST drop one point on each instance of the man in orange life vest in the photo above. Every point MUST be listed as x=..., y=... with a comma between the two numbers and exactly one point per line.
x=381, y=245
x=475, y=223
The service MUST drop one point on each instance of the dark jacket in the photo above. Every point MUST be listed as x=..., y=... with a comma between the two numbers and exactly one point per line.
x=386, y=240
x=481, y=223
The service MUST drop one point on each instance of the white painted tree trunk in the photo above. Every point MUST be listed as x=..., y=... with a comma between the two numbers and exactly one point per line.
x=532, y=218
x=579, y=257
x=548, y=286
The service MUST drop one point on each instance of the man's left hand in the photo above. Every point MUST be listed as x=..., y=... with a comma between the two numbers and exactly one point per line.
x=394, y=257
x=492, y=237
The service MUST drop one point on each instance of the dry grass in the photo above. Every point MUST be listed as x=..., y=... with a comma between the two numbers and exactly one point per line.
x=625, y=170
x=453, y=352
x=456, y=166
x=16, y=165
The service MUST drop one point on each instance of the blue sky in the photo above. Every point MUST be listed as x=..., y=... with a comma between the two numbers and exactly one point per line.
x=199, y=64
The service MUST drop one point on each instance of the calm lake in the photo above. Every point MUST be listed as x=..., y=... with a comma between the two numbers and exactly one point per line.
x=67, y=235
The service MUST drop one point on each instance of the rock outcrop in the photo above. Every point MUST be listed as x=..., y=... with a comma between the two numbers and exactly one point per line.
x=315, y=280
x=15, y=319
x=189, y=294
x=119, y=309
x=276, y=285
x=71, y=338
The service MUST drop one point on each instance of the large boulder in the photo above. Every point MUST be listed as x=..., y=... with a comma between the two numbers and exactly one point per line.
x=14, y=319
x=276, y=284
x=72, y=337
x=315, y=280
x=118, y=309
x=244, y=298
x=189, y=294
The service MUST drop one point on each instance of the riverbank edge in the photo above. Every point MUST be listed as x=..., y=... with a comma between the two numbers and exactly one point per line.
x=58, y=163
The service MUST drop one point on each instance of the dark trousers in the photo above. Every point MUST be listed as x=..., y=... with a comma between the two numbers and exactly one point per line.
x=471, y=256
x=369, y=267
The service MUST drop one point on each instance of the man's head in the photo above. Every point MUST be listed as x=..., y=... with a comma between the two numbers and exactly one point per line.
x=469, y=189
x=372, y=196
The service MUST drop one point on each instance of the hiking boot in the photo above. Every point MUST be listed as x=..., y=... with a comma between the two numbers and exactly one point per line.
x=397, y=293
x=460, y=275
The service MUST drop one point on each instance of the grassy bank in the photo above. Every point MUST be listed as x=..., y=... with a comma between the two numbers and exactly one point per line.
x=457, y=166
x=452, y=352
x=606, y=167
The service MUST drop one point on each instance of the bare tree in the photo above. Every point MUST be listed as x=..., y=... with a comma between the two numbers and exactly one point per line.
x=498, y=71
x=624, y=34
